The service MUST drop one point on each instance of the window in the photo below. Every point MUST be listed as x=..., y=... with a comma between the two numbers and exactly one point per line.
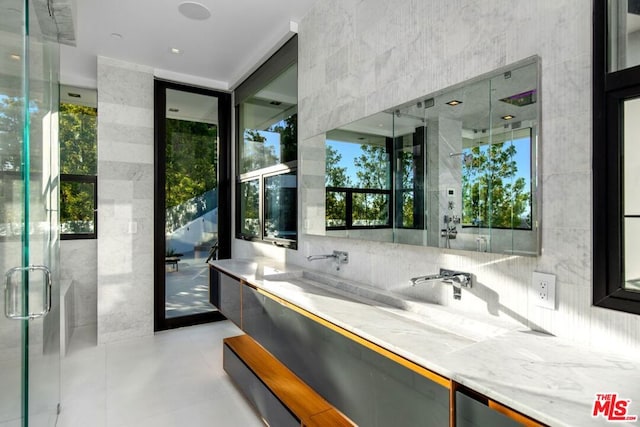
x=616, y=156
x=267, y=120
x=78, y=163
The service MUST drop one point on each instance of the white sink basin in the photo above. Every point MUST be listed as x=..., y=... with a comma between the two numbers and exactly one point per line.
x=471, y=326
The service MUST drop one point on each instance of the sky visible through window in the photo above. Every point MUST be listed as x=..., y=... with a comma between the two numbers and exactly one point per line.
x=350, y=151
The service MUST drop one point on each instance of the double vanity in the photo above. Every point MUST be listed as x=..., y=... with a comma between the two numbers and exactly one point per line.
x=386, y=359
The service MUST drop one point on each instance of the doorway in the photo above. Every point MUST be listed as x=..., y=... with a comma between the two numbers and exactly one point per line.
x=192, y=207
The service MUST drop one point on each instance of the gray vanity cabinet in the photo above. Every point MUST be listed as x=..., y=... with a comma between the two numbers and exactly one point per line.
x=472, y=413
x=229, y=298
x=268, y=405
x=367, y=387
x=368, y=384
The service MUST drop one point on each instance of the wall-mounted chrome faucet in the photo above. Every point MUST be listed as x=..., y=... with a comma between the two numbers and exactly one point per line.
x=457, y=279
x=450, y=230
x=339, y=256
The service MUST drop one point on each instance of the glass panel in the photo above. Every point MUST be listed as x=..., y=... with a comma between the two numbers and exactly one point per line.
x=631, y=202
x=370, y=210
x=336, y=209
x=29, y=349
x=12, y=191
x=632, y=253
x=268, y=122
x=280, y=210
x=496, y=183
x=77, y=201
x=409, y=181
x=353, y=162
x=191, y=199
x=249, y=199
x=624, y=34
x=78, y=136
x=42, y=225
x=631, y=156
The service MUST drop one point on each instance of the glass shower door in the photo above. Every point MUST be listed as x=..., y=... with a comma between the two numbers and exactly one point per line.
x=30, y=322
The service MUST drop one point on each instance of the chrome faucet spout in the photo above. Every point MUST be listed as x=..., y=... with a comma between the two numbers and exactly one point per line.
x=420, y=279
x=456, y=279
x=317, y=257
x=340, y=257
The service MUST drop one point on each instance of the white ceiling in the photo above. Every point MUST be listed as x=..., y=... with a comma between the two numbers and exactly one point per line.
x=217, y=52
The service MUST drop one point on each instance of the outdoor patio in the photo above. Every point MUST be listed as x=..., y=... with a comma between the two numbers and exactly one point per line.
x=187, y=286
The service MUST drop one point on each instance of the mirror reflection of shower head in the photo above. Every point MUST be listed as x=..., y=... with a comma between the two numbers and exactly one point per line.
x=467, y=158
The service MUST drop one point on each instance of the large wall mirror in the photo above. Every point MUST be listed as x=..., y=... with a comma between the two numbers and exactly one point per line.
x=455, y=169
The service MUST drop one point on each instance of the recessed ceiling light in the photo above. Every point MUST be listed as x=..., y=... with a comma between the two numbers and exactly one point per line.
x=193, y=10
x=74, y=95
x=508, y=117
x=116, y=36
x=175, y=51
x=15, y=57
x=454, y=102
x=174, y=110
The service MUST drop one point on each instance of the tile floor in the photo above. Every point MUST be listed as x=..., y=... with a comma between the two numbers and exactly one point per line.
x=174, y=378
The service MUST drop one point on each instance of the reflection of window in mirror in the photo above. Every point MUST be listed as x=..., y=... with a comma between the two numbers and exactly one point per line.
x=249, y=208
x=432, y=142
x=409, y=179
x=358, y=181
x=280, y=213
x=496, y=182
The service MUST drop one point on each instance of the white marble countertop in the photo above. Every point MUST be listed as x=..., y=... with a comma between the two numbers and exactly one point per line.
x=539, y=375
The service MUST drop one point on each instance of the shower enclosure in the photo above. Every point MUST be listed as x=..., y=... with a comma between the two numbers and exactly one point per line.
x=30, y=322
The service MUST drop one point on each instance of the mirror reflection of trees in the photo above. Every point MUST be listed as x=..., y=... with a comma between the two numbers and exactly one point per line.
x=492, y=192
x=191, y=175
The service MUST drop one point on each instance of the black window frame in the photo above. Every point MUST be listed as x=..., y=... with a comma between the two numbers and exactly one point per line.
x=273, y=67
x=348, y=219
x=610, y=89
x=161, y=322
x=83, y=179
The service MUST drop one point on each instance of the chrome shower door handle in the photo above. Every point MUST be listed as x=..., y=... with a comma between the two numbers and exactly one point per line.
x=13, y=293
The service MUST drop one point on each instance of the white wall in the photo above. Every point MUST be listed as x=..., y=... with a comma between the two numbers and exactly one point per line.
x=357, y=58
x=78, y=263
x=125, y=200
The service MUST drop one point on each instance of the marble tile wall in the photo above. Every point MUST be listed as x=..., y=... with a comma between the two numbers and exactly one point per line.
x=78, y=263
x=360, y=57
x=125, y=200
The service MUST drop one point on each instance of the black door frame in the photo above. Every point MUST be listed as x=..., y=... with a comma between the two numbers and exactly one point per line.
x=224, y=197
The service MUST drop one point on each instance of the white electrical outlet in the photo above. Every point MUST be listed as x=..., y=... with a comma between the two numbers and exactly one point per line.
x=543, y=290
